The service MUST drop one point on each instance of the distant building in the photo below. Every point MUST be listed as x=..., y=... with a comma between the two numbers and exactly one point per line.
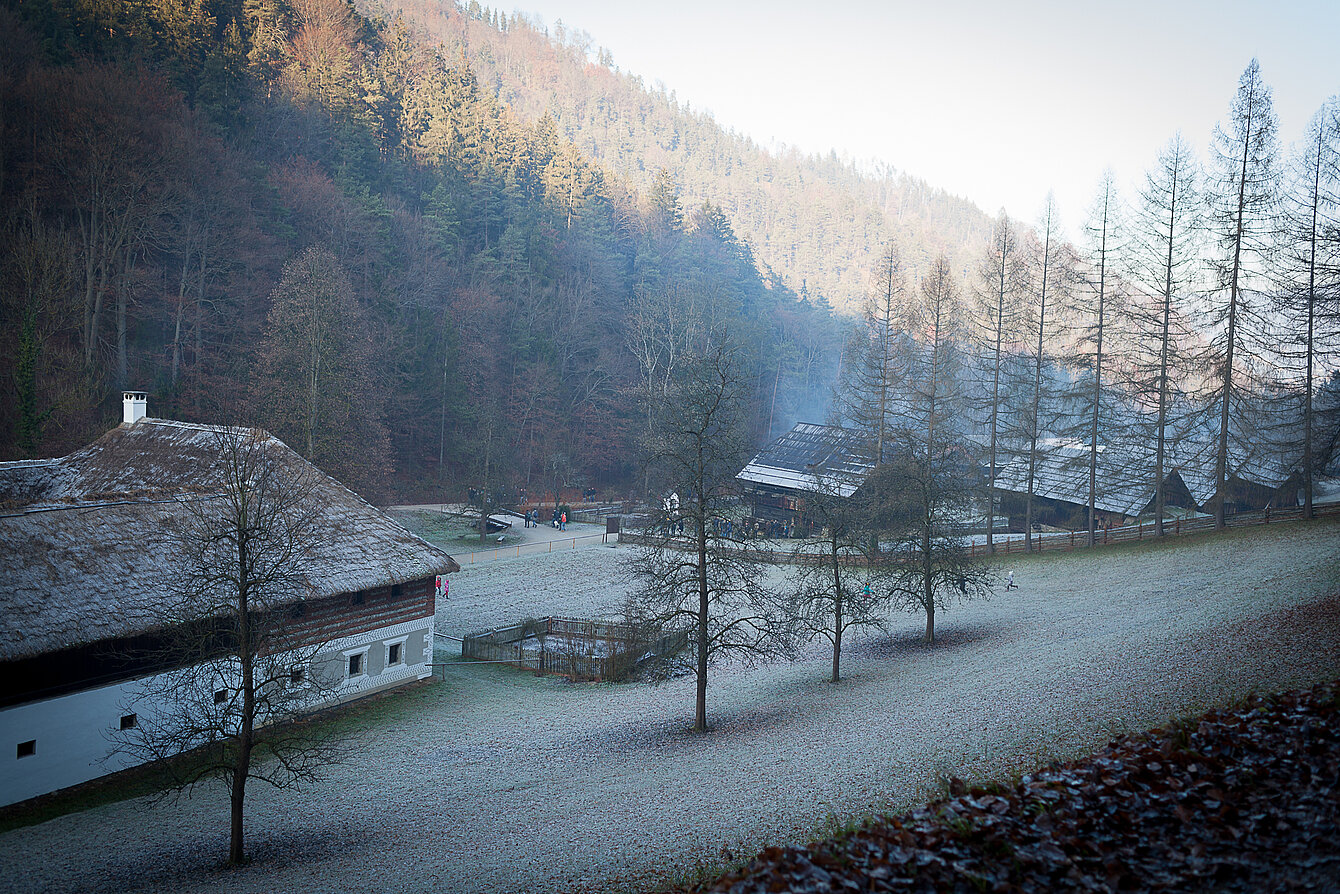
x=806, y=460
x=1124, y=487
x=83, y=550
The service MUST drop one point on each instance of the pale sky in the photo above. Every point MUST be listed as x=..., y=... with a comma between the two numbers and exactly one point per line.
x=996, y=101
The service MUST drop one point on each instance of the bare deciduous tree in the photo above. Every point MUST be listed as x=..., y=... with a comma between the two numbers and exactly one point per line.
x=239, y=675
x=836, y=588
x=864, y=398
x=1053, y=278
x=1102, y=233
x=702, y=582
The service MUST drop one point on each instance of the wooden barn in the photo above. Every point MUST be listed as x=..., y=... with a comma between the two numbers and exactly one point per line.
x=1124, y=488
x=806, y=460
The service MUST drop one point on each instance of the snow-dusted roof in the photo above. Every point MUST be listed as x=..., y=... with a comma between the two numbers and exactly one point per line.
x=814, y=458
x=1125, y=473
x=86, y=546
x=1062, y=473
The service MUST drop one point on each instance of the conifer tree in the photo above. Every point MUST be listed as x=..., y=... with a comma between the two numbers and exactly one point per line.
x=317, y=386
x=1002, y=279
x=866, y=394
x=926, y=486
x=1308, y=273
x=1166, y=232
x=1102, y=248
x=1053, y=273
x=1242, y=221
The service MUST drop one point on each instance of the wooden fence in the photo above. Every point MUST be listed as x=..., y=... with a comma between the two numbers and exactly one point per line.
x=580, y=648
x=1172, y=527
x=1015, y=543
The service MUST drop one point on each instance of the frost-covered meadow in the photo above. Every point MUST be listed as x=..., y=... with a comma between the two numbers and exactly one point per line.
x=497, y=780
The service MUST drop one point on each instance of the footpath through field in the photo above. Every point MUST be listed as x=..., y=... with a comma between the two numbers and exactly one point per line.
x=518, y=540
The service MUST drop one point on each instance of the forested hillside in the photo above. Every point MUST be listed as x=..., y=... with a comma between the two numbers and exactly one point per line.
x=819, y=223
x=296, y=215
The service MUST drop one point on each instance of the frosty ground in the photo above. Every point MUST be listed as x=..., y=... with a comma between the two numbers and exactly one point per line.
x=496, y=780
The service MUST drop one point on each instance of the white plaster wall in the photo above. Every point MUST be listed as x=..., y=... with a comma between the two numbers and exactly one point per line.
x=75, y=732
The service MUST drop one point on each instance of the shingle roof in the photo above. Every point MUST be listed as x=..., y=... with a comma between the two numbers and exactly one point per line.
x=812, y=458
x=1062, y=473
x=85, y=545
x=1125, y=474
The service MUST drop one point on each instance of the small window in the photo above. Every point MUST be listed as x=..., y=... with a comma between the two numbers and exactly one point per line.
x=396, y=590
x=297, y=610
x=28, y=749
x=356, y=664
x=357, y=598
x=297, y=676
x=220, y=696
x=129, y=721
x=395, y=654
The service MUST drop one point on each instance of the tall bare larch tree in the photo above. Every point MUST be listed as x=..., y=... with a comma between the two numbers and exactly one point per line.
x=1002, y=278
x=1242, y=221
x=1308, y=269
x=1164, y=261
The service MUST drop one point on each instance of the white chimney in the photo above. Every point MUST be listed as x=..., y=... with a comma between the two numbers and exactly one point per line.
x=133, y=406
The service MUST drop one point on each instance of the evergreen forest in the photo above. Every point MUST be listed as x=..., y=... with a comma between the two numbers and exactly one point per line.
x=437, y=248
x=317, y=220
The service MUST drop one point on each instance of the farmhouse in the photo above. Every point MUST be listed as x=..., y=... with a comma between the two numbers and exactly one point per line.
x=808, y=459
x=87, y=554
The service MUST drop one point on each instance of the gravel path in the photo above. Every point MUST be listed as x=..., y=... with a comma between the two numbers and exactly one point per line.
x=501, y=781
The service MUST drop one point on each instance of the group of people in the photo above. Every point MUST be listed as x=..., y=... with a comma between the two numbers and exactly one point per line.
x=771, y=529
x=531, y=519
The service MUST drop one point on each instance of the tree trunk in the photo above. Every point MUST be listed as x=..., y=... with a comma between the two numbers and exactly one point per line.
x=236, y=843
x=247, y=654
x=837, y=605
x=1221, y=459
x=1311, y=322
x=700, y=720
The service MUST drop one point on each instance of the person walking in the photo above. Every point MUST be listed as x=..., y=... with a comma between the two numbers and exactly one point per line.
x=1009, y=582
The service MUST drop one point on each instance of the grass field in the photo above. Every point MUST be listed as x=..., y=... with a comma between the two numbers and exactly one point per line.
x=497, y=780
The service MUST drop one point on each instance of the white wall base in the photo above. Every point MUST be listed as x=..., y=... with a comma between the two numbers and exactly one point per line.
x=75, y=733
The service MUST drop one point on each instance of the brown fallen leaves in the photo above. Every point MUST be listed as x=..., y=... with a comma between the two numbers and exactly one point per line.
x=1243, y=799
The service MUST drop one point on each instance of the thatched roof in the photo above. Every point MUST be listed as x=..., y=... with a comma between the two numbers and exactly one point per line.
x=86, y=545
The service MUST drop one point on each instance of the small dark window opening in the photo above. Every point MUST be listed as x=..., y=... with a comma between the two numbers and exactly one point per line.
x=355, y=664
x=357, y=598
x=297, y=675
x=129, y=721
x=297, y=610
x=28, y=749
x=394, y=655
x=220, y=696
x=396, y=590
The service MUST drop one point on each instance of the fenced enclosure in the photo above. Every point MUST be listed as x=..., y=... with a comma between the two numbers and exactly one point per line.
x=580, y=648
